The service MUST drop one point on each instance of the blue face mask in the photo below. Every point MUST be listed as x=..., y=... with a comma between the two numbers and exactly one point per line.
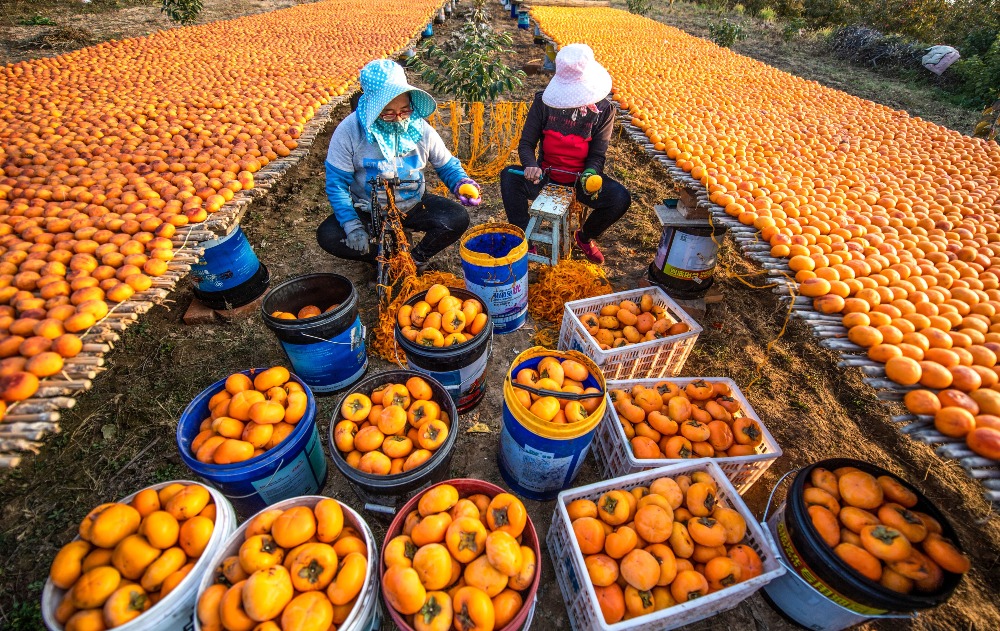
x=395, y=138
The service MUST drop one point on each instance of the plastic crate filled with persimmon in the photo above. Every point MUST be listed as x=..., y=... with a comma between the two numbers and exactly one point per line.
x=630, y=334
x=709, y=417
x=657, y=550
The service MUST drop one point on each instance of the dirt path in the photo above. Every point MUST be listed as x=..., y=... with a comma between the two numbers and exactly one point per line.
x=120, y=437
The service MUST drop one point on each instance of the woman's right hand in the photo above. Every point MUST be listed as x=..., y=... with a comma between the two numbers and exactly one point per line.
x=533, y=174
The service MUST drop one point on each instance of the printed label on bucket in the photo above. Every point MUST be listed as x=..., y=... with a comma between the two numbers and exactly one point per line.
x=302, y=476
x=536, y=470
x=785, y=540
x=330, y=365
x=463, y=384
x=227, y=262
x=506, y=301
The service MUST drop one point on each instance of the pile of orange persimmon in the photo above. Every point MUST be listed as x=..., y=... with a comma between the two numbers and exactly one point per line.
x=871, y=525
x=95, y=178
x=557, y=376
x=650, y=548
x=974, y=416
x=249, y=416
x=298, y=568
x=130, y=556
x=697, y=420
x=393, y=429
x=440, y=319
x=625, y=323
x=887, y=219
x=459, y=562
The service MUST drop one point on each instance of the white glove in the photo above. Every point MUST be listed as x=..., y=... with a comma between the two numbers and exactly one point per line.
x=357, y=237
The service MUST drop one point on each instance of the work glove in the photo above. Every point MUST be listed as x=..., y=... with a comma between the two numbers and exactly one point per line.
x=357, y=237
x=467, y=200
x=585, y=176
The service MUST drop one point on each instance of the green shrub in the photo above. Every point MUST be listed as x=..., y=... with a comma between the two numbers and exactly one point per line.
x=726, y=32
x=767, y=14
x=980, y=75
x=792, y=29
x=182, y=11
x=739, y=9
x=822, y=13
x=639, y=7
x=36, y=20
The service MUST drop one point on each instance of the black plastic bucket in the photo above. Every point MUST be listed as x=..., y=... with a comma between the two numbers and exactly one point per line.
x=383, y=495
x=460, y=369
x=229, y=274
x=326, y=351
x=815, y=563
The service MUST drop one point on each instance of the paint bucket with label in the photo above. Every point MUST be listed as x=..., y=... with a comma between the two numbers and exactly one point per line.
x=461, y=368
x=819, y=590
x=523, y=20
x=495, y=264
x=328, y=350
x=685, y=260
x=295, y=466
x=538, y=458
x=229, y=274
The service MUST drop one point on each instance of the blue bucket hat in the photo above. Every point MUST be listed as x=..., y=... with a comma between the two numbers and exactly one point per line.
x=383, y=80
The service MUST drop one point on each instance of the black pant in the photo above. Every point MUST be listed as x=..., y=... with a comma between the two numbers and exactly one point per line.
x=441, y=220
x=611, y=204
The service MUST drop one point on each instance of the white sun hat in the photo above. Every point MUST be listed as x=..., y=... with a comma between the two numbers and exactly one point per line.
x=579, y=79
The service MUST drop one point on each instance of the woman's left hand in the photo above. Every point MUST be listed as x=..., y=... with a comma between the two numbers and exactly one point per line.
x=468, y=192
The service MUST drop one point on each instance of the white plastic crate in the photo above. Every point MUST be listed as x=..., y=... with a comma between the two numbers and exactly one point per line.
x=614, y=454
x=656, y=358
x=578, y=591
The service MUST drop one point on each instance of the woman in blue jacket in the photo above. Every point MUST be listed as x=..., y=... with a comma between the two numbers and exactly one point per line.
x=388, y=135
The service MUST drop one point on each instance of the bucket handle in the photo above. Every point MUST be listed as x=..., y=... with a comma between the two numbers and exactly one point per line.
x=380, y=508
x=559, y=395
x=364, y=333
x=770, y=498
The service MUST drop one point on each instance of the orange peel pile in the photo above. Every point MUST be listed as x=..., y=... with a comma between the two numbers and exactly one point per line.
x=569, y=280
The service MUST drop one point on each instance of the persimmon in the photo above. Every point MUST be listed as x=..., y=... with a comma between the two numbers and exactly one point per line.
x=473, y=610
x=860, y=489
x=860, y=560
x=611, y=600
x=349, y=580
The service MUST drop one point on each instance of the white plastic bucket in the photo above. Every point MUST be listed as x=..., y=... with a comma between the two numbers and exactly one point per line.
x=367, y=615
x=176, y=611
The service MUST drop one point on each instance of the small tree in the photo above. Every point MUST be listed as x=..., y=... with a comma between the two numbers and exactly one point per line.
x=988, y=127
x=470, y=65
x=182, y=11
x=640, y=7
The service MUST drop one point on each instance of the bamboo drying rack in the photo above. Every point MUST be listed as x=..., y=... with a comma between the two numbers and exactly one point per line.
x=28, y=422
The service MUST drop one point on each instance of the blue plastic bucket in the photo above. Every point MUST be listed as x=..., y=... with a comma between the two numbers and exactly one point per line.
x=523, y=20
x=537, y=458
x=495, y=262
x=297, y=466
x=327, y=351
x=461, y=369
x=429, y=31
x=229, y=274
